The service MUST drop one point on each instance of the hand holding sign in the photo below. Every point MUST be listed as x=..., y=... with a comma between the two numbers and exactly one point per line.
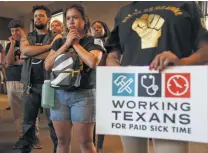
x=162, y=60
x=134, y=101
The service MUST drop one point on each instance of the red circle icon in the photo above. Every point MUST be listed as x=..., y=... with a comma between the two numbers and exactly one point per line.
x=177, y=85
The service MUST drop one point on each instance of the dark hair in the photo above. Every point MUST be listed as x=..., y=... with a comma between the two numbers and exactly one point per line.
x=42, y=7
x=81, y=10
x=106, y=29
x=15, y=24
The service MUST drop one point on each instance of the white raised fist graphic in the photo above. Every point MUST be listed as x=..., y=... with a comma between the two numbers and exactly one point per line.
x=149, y=28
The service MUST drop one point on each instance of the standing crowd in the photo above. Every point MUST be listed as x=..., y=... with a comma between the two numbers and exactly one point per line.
x=145, y=33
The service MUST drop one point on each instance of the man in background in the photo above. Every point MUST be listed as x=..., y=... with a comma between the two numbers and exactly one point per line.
x=36, y=47
x=57, y=27
x=13, y=64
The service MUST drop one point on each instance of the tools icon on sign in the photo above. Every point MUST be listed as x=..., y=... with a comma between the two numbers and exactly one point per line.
x=123, y=83
x=177, y=85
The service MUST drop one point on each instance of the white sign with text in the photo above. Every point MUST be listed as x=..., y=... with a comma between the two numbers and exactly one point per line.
x=134, y=101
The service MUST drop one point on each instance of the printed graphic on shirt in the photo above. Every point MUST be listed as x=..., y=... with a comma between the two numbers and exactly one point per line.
x=173, y=9
x=17, y=53
x=98, y=42
x=148, y=27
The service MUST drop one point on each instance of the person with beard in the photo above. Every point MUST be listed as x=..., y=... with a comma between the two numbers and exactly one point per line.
x=13, y=64
x=157, y=34
x=100, y=32
x=36, y=48
x=57, y=27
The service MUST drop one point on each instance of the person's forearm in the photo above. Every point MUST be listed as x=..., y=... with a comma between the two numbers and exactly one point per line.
x=19, y=62
x=51, y=57
x=9, y=58
x=30, y=51
x=113, y=59
x=198, y=58
x=42, y=56
x=87, y=57
x=3, y=56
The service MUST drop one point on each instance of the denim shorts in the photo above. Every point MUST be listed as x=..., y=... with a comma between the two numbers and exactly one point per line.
x=76, y=106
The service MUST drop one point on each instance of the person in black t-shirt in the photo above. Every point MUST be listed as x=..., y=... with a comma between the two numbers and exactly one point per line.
x=156, y=34
x=76, y=107
x=101, y=31
x=13, y=64
x=35, y=48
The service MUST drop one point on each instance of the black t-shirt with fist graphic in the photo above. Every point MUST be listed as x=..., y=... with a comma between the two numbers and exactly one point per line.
x=13, y=72
x=144, y=29
x=37, y=71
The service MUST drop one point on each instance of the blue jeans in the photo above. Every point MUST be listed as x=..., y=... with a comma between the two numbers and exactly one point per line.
x=76, y=106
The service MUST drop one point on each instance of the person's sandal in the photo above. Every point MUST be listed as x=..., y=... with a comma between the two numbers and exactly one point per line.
x=37, y=144
x=8, y=108
x=100, y=150
x=17, y=145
